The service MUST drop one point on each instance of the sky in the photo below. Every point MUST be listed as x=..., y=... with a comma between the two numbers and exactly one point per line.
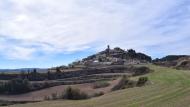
x=47, y=33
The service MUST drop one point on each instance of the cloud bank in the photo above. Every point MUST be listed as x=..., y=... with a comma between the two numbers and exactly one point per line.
x=31, y=29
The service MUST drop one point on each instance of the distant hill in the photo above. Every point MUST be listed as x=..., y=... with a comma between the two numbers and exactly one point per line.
x=170, y=58
x=175, y=61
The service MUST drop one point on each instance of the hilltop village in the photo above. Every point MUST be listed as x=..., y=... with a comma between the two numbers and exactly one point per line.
x=116, y=56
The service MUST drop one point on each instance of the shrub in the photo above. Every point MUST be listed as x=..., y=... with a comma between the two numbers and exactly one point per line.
x=121, y=84
x=141, y=71
x=47, y=98
x=74, y=94
x=2, y=87
x=142, y=81
x=54, y=96
x=19, y=85
x=16, y=86
x=101, y=84
x=98, y=94
x=131, y=84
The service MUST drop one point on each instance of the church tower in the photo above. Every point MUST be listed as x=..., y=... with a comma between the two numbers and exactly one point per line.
x=108, y=50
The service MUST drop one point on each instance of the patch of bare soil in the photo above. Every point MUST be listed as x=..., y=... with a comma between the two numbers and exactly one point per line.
x=40, y=94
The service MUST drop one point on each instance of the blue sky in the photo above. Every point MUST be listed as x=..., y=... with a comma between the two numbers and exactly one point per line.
x=46, y=33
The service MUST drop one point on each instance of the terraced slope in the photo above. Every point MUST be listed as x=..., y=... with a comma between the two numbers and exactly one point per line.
x=169, y=88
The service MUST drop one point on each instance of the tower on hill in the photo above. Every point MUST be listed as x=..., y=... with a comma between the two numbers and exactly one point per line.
x=108, y=50
x=108, y=47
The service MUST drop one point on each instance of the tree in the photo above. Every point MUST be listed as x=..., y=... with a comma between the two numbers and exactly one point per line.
x=17, y=86
x=28, y=74
x=131, y=53
x=74, y=94
x=49, y=75
x=100, y=59
x=22, y=74
x=34, y=75
x=58, y=73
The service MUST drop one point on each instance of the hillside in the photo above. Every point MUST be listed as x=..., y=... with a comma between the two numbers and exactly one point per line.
x=116, y=56
x=165, y=86
x=107, y=67
x=183, y=63
x=23, y=69
x=175, y=61
x=168, y=88
x=85, y=80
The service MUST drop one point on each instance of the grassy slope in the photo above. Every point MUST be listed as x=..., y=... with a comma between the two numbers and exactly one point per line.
x=170, y=88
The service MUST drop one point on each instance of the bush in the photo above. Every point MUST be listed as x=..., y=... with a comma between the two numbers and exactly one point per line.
x=15, y=86
x=141, y=71
x=47, y=98
x=121, y=84
x=100, y=84
x=74, y=94
x=131, y=84
x=54, y=96
x=3, y=88
x=98, y=94
x=142, y=81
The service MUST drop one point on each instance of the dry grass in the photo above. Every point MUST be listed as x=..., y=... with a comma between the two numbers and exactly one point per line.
x=169, y=88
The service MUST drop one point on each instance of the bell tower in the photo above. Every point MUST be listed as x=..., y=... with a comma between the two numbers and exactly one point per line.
x=108, y=47
x=108, y=50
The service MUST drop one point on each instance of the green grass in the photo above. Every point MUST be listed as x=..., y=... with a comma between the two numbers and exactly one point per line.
x=168, y=88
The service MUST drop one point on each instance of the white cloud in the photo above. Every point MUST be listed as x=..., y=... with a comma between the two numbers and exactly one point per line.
x=66, y=26
x=20, y=53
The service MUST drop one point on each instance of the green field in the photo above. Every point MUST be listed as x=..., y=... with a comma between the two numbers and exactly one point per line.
x=168, y=88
